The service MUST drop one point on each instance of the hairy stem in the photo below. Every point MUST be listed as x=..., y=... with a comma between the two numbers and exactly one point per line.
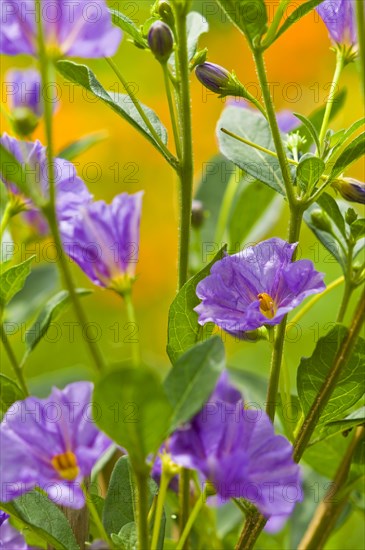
x=171, y=109
x=142, y=510
x=192, y=518
x=331, y=97
x=186, y=170
x=360, y=19
x=13, y=360
x=50, y=209
x=330, y=508
x=136, y=352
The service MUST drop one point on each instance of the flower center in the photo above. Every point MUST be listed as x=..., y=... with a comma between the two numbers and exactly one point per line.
x=66, y=465
x=267, y=305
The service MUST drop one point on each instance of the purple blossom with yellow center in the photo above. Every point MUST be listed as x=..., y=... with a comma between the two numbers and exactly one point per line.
x=256, y=287
x=339, y=18
x=71, y=191
x=10, y=538
x=237, y=450
x=103, y=239
x=51, y=443
x=72, y=29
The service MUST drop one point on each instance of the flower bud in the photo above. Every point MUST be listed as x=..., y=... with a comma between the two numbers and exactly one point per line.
x=350, y=189
x=24, y=121
x=351, y=216
x=197, y=214
x=219, y=80
x=165, y=12
x=321, y=221
x=161, y=41
x=199, y=58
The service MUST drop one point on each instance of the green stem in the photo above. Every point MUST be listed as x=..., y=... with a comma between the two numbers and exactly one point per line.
x=270, y=36
x=349, y=288
x=142, y=510
x=331, y=97
x=136, y=353
x=94, y=514
x=186, y=170
x=256, y=146
x=13, y=360
x=278, y=347
x=184, y=498
x=164, y=483
x=50, y=208
x=315, y=299
x=360, y=18
x=271, y=117
x=192, y=518
x=5, y=220
x=171, y=109
x=253, y=526
x=167, y=154
x=226, y=205
x=329, y=384
x=329, y=510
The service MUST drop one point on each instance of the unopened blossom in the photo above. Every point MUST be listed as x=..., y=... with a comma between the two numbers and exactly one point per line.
x=51, y=443
x=10, y=538
x=71, y=191
x=339, y=18
x=71, y=29
x=103, y=239
x=352, y=190
x=256, y=287
x=237, y=450
x=161, y=41
x=24, y=90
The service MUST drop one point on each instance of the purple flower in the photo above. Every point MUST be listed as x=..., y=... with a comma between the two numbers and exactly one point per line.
x=73, y=29
x=161, y=41
x=70, y=189
x=256, y=287
x=10, y=538
x=24, y=90
x=339, y=18
x=287, y=122
x=237, y=450
x=103, y=239
x=213, y=76
x=52, y=443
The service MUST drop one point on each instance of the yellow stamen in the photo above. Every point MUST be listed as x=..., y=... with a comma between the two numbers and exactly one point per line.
x=66, y=465
x=267, y=305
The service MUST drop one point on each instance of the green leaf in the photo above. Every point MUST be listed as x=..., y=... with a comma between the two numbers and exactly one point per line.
x=192, y=379
x=346, y=134
x=9, y=393
x=352, y=152
x=196, y=26
x=309, y=171
x=253, y=127
x=81, y=145
x=127, y=25
x=297, y=14
x=324, y=457
x=316, y=118
x=127, y=536
x=183, y=327
x=131, y=406
x=119, y=103
x=52, y=309
x=353, y=419
x=313, y=371
x=255, y=211
x=310, y=127
x=358, y=228
x=249, y=16
x=334, y=240
x=36, y=511
x=12, y=280
x=211, y=189
x=120, y=498
x=39, y=287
